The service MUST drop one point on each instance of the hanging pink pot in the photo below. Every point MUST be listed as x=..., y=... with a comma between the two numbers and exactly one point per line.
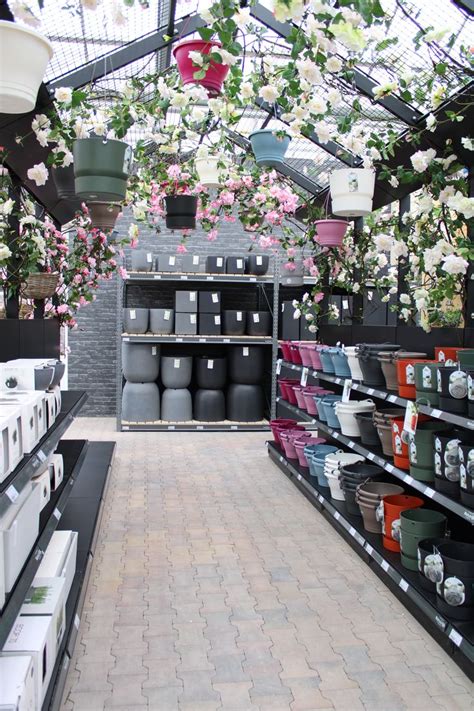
x=330, y=233
x=215, y=74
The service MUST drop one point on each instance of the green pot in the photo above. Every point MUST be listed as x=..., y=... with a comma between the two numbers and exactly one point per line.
x=417, y=524
x=466, y=357
x=409, y=562
x=101, y=169
x=421, y=445
x=427, y=398
x=426, y=377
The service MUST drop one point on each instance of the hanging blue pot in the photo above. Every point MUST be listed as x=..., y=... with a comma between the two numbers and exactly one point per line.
x=269, y=148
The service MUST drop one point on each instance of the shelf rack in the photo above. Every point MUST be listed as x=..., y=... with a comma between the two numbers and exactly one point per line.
x=218, y=340
x=199, y=277
x=456, y=637
x=195, y=426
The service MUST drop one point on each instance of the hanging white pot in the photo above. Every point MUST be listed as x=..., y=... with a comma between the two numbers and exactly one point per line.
x=352, y=191
x=24, y=56
x=209, y=172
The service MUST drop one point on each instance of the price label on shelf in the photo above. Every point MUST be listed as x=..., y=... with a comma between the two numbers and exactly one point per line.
x=278, y=366
x=41, y=455
x=390, y=468
x=183, y=277
x=199, y=427
x=77, y=622
x=346, y=393
x=12, y=493
x=411, y=418
x=370, y=391
x=371, y=456
x=455, y=637
x=403, y=585
x=392, y=398
x=369, y=548
x=408, y=479
x=436, y=413
x=304, y=377
x=234, y=427
x=385, y=565
x=57, y=514
x=337, y=515
x=429, y=492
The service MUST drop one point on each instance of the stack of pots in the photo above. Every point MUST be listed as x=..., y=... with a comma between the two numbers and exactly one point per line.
x=447, y=461
x=315, y=355
x=466, y=474
x=353, y=363
x=388, y=363
x=279, y=424
x=316, y=461
x=286, y=389
x=368, y=497
x=389, y=513
x=209, y=400
x=406, y=374
x=295, y=354
x=309, y=393
x=368, y=353
x=298, y=391
x=245, y=401
x=140, y=397
x=400, y=442
x=430, y=568
x=326, y=359
x=368, y=432
x=452, y=389
x=285, y=347
x=466, y=361
x=415, y=525
x=426, y=382
x=305, y=353
x=421, y=449
x=327, y=406
x=346, y=412
x=383, y=423
x=353, y=475
x=326, y=398
x=176, y=403
x=300, y=444
x=332, y=468
x=287, y=437
x=340, y=362
x=455, y=590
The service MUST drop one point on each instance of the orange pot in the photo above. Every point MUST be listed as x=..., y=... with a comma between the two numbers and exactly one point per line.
x=447, y=354
x=392, y=507
x=406, y=376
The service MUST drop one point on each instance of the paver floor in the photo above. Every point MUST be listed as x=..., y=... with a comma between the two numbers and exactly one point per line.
x=216, y=585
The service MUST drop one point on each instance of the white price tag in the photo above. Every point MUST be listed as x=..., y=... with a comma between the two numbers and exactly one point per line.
x=210, y=278
x=167, y=315
x=172, y=261
x=177, y=363
x=192, y=318
x=403, y=585
x=12, y=493
x=240, y=264
x=215, y=298
x=179, y=340
x=370, y=391
x=184, y=277
x=149, y=257
x=210, y=364
x=41, y=456
x=408, y=479
x=337, y=515
x=77, y=621
x=370, y=295
x=200, y=427
x=352, y=531
x=455, y=637
x=429, y=492
x=392, y=398
x=57, y=514
x=202, y=340
x=385, y=565
x=345, y=304
x=157, y=276
x=371, y=456
x=195, y=259
x=436, y=413
x=304, y=377
x=234, y=427
x=226, y=340
x=217, y=320
x=192, y=296
x=245, y=351
x=256, y=318
x=133, y=314
x=239, y=316
x=259, y=261
x=171, y=427
x=153, y=350
x=220, y=261
x=390, y=468
x=253, y=279
x=346, y=393
x=278, y=366
x=369, y=548
x=411, y=418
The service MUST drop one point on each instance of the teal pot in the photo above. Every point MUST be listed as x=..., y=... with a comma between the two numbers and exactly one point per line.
x=181, y=212
x=340, y=363
x=101, y=169
x=326, y=360
x=452, y=389
x=268, y=148
x=421, y=449
x=430, y=571
x=330, y=399
x=415, y=525
x=330, y=413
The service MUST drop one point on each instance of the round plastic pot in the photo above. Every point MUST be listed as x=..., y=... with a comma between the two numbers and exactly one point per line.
x=176, y=405
x=426, y=377
x=142, y=260
x=215, y=74
x=466, y=468
x=361, y=471
x=392, y=508
x=389, y=370
x=400, y=444
x=330, y=233
x=418, y=524
x=245, y=364
x=452, y=389
x=353, y=362
x=455, y=594
x=309, y=394
x=336, y=492
x=447, y=354
x=286, y=388
x=346, y=412
x=176, y=371
x=300, y=401
x=466, y=357
x=406, y=376
x=304, y=353
x=140, y=362
x=295, y=354
x=379, y=489
x=269, y=148
x=458, y=558
x=135, y=320
x=104, y=214
x=285, y=349
x=368, y=432
x=286, y=432
x=43, y=376
x=181, y=212
x=259, y=323
x=245, y=403
x=326, y=361
x=233, y=323
x=331, y=417
x=320, y=404
x=209, y=406
x=140, y=402
x=368, y=355
x=340, y=363
x=369, y=517
x=430, y=572
x=211, y=373
x=279, y=424
x=209, y=172
x=421, y=448
x=101, y=169
x=258, y=264
x=63, y=178
x=300, y=446
x=316, y=357
x=352, y=190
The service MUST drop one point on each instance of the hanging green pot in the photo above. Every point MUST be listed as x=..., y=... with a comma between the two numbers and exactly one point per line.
x=101, y=169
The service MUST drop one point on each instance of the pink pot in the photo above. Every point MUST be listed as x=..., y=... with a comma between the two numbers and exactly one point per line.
x=286, y=350
x=295, y=353
x=301, y=443
x=292, y=395
x=298, y=390
x=309, y=398
x=305, y=354
x=287, y=438
x=279, y=424
x=330, y=233
x=284, y=384
x=296, y=437
x=316, y=358
x=216, y=73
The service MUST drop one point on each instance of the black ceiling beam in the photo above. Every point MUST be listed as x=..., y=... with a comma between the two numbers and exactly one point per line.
x=362, y=81
x=116, y=59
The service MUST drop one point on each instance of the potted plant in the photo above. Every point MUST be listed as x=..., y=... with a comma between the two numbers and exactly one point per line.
x=352, y=191
x=177, y=190
x=269, y=146
x=199, y=62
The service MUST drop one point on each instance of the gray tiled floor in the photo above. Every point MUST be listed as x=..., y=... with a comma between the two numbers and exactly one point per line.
x=216, y=585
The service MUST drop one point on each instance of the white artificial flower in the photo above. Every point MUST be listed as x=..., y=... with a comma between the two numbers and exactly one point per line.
x=375, y=153
x=63, y=94
x=431, y=122
x=323, y=131
x=394, y=182
x=242, y=17
x=196, y=92
x=80, y=129
x=309, y=71
x=432, y=258
x=393, y=290
x=309, y=317
x=351, y=37
x=5, y=252
x=334, y=97
x=294, y=128
x=305, y=298
x=434, y=35
x=420, y=304
x=351, y=16
x=198, y=114
x=446, y=193
x=68, y=158
x=356, y=287
x=296, y=314
x=405, y=299
x=180, y=101
x=269, y=93
x=437, y=96
x=226, y=57
x=42, y=138
x=425, y=204
x=170, y=149
x=405, y=314
x=246, y=90
x=453, y=264
x=334, y=64
x=202, y=152
x=295, y=303
x=383, y=243
x=22, y=12
x=6, y=207
x=468, y=143
x=216, y=106
x=421, y=159
x=462, y=204
x=333, y=312
x=313, y=25
x=382, y=261
x=385, y=299
x=206, y=16
x=90, y=4
x=317, y=105
x=196, y=58
x=399, y=249
x=118, y=17
x=385, y=89
x=313, y=328
x=40, y=123
x=38, y=173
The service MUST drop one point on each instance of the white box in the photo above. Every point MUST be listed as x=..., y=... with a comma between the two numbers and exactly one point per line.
x=31, y=403
x=17, y=684
x=50, y=408
x=60, y=559
x=4, y=449
x=2, y=574
x=19, y=527
x=56, y=470
x=25, y=374
x=57, y=395
x=43, y=481
x=11, y=418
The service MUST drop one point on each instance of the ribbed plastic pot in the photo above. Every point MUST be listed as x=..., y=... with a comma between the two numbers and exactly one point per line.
x=331, y=417
x=315, y=354
x=346, y=412
x=287, y=436
x=140, y=362
x=104, y=214
x=429, y=570
x=325, y=398
x=367, y=353
x=211, y=373
x=245, y=364
x=300, y=446
x=415, y=525
x=399, y=370
x=215, y=74
x=135, y=320
x=452, y=389
x=466, y=470
x=385, y=436
x=176, y=371
x=330, y=233
x=421, y=449
x=181, y=212
x=326, y=360
x=389, y=370
x=283, y=384
x=142, y=260
x=177, y=405
x=245, y=403
x=292, y=394
x=308, y=393
x=281, y=423
x=209, y=172
x=233, y=323
x=209, y=406
x=140, y=402
x=354, y=365
x=455, y=594
x=162, y=321
x=257, y=264
x=390, y=510
x=259, y=323
x=300, y=401
x=101, y=169
x=448, y=355
x=447, y=462
x=368, y=432
x=268, y=147
x=340, y=363
x=352, y=191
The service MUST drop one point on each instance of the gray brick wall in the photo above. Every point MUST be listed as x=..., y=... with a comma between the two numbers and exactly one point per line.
x=92, y=358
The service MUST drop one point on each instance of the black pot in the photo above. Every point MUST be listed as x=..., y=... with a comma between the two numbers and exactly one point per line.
x=447, y=462
x=235, y=265
x=452, y=389
x=467, y=499
x=258, y=264
x=455, y=594
x=215, y=264
x=362, y=470
x=466, y=468
x=429, y=572
x=246, y=364
x=209, y=406
x=233, y=323
x=211, y=373
x=458, y=558
x=245, y=403
x=470, y=409
x=368, y=431
x=259, y=323
x=181, y=212
x=63, y=179
x=350, y=502
x=371, y=368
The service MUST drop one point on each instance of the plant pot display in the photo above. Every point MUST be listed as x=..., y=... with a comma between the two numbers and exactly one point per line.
x=426, y=382
x=161, y=321
x=245, y=403
x=340, y=362
x=346, y=412
x=466, y=474
x=368, y=496
x=282, y=423
x=332, y=467
x=285, y=347
x=235, y=265
x=368, y=355
x=140, y=362
x=181, y=212
x=406, y=376
x=211, y=373
x=295, y=354
x=352, y=191
x=142, y=260
x=288, y=435
x=63, y=179
x=421, y=449
x=316, y=461
x=298, y=392
x=28, y=54
x=354, y=364
x=448, y=355
x=400, y=442
x=455, y=591
x=351, y=476
x=326, y=360
x=259, y=323
x=104, y=214
x=300, y=445
x=329, y=399
x=466, y=358
x=416, y=525
x=389, y=365
x=309, y=393
x=101, y=169
x=192, y=264
x=140, y=402
x=245, y=365
x=176, y=371
x=286, y=389
x=383, y=424
x=257, y=264
x=452, y=389
x=40, y=286
x=304, y=349
x=430, y=568
x=135, y=321
x=177, y=405
x=330, y=233
x=214, y=75
x=368, y=432
x=447, y=461
x=315, y=356
x=209, y=171
x=269, y=147
x=209, y=406
x=389, y=513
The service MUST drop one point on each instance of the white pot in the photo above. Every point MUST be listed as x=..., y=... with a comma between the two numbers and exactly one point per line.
x=208, y=171
x=352, y=190
x=354, y=364
x=24, y=56
x=345, y=412
x=336, y=492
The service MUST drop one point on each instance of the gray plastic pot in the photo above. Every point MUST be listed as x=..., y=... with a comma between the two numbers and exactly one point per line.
x=59, y=368
x=211, y=373
x=142, y=260
x=245, y=403
x=177, y=405
x=140, y=362
x=140, y=402
x=161, y=321
x=209, y=406
x=135, y=320
x=259, y=323
x=192, y=263
x=44, y=377
x=258, y=264
x=246, y=364
x=176, y=371
x=233, y=323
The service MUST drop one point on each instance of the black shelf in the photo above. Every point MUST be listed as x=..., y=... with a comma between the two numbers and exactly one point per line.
x=457, y=637
x=199, y=277
x=195, y=426
x=176, y=338
x=49, y=520
x=72, y=402
x=450, y=504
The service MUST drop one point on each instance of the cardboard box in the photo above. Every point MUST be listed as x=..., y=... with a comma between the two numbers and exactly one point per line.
x=17, y=684
x=43, y=481
x=56, y=470
x=60, y=559
x=185, y=324
x=210, y=325
x=209, y=302
x=12, y=440
x=32, y=404
x=186, y=302
x=19, y=527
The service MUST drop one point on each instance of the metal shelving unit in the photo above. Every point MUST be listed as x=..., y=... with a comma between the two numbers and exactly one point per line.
x=219, y=340
x=144, y=277
x=194, y=426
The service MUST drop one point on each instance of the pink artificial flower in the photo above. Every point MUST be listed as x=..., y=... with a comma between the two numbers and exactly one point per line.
x=318, y=297
x=229, y=218
x=123, y=272
x=212, y=236
x=62, y=309
x=227, y=198
x=291, y=251
x=181, y=249
x=289, y=266
x=265, y=242
x=308, y=262
x=174, y=172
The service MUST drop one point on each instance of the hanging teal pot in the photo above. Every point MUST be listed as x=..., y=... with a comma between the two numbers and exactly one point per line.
x=268, y=147
x=101, y=169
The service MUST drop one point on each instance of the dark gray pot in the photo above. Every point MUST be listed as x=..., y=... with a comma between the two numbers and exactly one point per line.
x=235, y=265
x=135, y=320
x=168, y=263
x=209, y=406
x=142, y=260
x=233, y=323
x=192, y=263
x=140, y=402
x=140, y=362
x=215, y=265
x=177, y=405
x=161, y=321
x=176, y=371
x=245, y=403
x=211, y=373
x=258, y=264
x=246, y=364
x=259, y=323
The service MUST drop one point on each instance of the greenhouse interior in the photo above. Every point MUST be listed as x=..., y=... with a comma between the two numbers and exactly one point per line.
x=236, y=355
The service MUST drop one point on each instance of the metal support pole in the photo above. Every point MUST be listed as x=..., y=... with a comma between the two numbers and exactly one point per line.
x=358, y=299
x=276, y=317
x=469, y=306
x=121, y=292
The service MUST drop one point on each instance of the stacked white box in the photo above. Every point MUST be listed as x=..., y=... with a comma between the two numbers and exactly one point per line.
x=19, y=528
x=17, y=683
x=60, y=558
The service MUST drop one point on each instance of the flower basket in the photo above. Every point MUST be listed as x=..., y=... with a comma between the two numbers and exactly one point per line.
x=26, y=53
x=40, y=286
x=101, y=169
x=208, y=171
x=352, y=191
x=181, y=212
x=268, y=148
x=215, y=74
x=103, y=214
x=330, y=233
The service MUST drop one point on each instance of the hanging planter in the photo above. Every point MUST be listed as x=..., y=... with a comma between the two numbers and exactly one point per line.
x=27, y=54
x=330, y=233
x=63, y=179
x=104, y=214
x=352, y=191
x=209, y=172
x=269, y=147
x=215, y=74
x=101, y=169
x=181, y=212
x=40, y=286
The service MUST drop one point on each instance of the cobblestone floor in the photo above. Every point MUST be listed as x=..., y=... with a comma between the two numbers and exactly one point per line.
x=216, y=585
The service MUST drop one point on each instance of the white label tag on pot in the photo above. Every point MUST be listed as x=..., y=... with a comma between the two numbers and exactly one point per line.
x=133, y=314
x=149, y=257
x=240, y=264
x=346, y=393
x=345, y=304
x=153, y=350
x=192, y=318
x=192, y=296
x=210, y=364
x=215, y=298
x=455, y=637
x=220, y=262
x=217, y=320
x=256, y=318
x=172, y=261
x=196, y=259
x=304, y=377
x=411, y=418
x=239, y=316
x=259, y=261
x=278, y=366
x=245, y=351
x=177, y=362
x=167, y=315
x=370, y=295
